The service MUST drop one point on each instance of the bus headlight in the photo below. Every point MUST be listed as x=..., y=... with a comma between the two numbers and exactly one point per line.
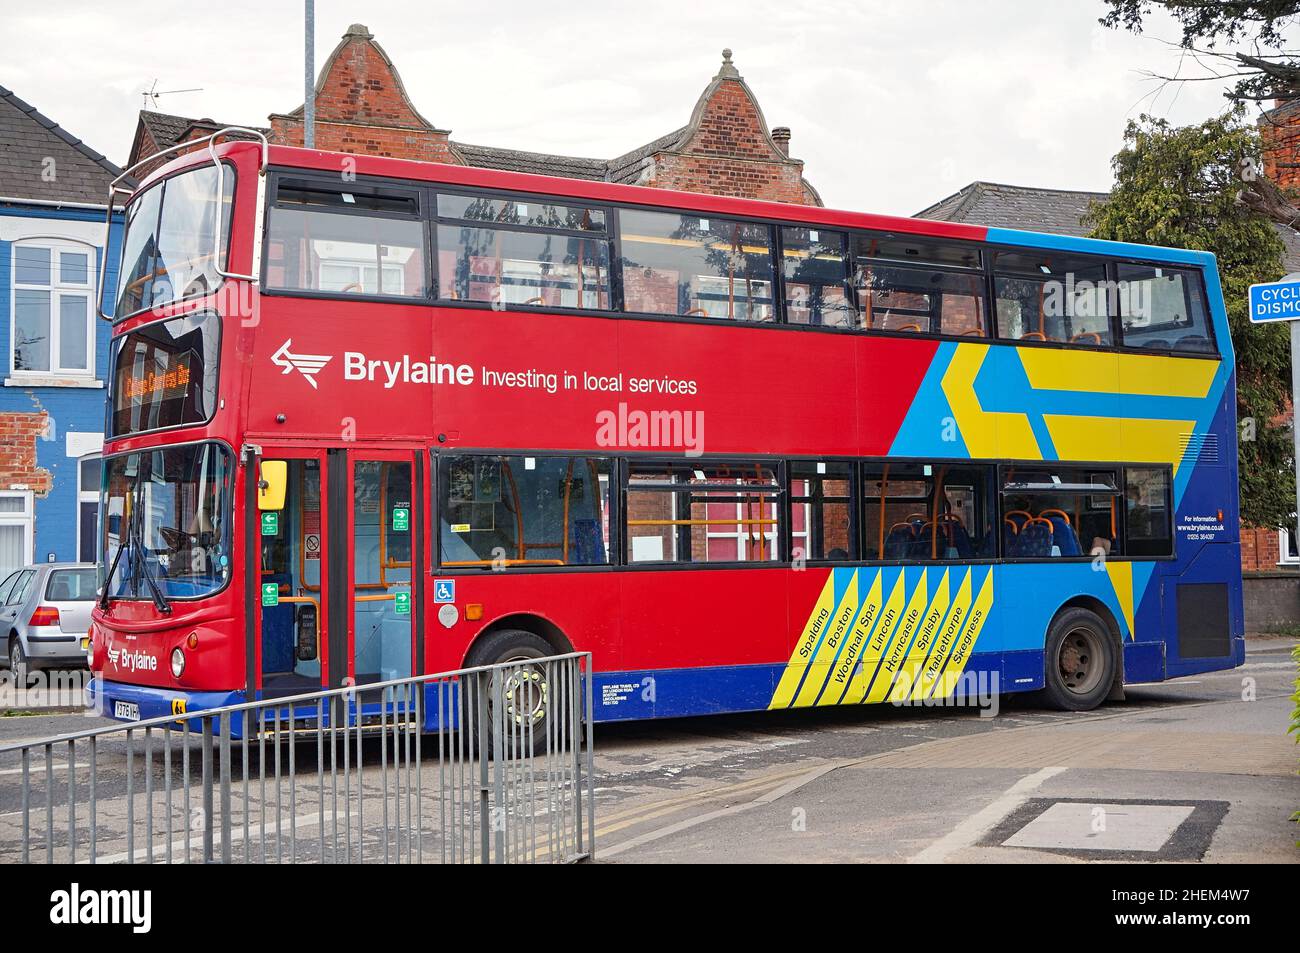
x=178, y=662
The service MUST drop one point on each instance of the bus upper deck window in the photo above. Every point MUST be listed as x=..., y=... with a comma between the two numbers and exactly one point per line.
x=357, y=239
x=522, y=251
x=1046, y=296
x=1163, y=308
x=683, y=264
x=919, y=286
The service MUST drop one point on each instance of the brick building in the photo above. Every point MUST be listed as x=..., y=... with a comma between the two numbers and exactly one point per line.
x=363, y=107
x=53, y=191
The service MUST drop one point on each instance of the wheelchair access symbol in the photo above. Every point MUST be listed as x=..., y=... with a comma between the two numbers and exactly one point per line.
x=444, y=590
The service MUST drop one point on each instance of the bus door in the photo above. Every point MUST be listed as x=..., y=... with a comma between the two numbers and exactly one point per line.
x=291, y=550
x=384, y=581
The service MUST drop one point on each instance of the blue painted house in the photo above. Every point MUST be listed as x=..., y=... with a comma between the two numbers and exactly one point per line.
x=53, y=347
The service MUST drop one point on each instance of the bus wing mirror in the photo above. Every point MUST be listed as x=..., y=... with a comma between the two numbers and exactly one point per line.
x=272, y=484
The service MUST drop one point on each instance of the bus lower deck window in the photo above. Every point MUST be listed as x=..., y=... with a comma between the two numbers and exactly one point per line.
x=508, y=511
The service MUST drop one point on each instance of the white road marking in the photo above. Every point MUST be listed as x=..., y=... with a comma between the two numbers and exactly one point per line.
x=974, y=827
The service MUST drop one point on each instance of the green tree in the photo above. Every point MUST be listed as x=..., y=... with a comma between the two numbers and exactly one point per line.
x=1263, y=70
x=1268, y=71
x=1183, y=187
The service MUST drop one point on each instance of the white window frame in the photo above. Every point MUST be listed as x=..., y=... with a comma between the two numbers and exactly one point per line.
x=56, y=289
x=25, y=519
x=86, y=496
x=1284, y=557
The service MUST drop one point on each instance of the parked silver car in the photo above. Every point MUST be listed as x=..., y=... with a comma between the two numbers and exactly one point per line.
x=45, y=615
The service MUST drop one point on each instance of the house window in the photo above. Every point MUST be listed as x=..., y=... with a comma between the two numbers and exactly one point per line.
x=1286, y=548
x=88, y=469
x=15, y=529
x=53, y=293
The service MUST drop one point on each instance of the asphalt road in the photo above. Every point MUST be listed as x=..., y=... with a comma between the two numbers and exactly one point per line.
x=1199, y=769
x=883, y=784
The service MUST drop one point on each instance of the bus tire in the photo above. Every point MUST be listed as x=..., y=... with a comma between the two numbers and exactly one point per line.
x=1079, y=661
x=523, y=696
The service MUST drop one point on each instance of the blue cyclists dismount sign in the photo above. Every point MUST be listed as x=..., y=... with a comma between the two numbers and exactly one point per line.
x=1276, y=301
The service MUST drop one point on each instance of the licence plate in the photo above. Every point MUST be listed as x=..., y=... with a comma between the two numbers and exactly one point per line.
x=127, y=710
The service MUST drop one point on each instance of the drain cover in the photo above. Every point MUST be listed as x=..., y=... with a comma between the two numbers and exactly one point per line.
x=1113, y=830
x=1082, y=826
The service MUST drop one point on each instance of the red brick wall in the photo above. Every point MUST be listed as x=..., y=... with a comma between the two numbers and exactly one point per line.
x=362, y=108
x=18, y=435
x=729, y=154
x=1260, y=549
x=1279, y=131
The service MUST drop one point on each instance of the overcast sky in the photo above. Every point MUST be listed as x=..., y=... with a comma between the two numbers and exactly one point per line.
x=894, y=104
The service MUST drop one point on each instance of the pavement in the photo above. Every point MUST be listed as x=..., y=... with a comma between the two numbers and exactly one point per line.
x=1194, y=770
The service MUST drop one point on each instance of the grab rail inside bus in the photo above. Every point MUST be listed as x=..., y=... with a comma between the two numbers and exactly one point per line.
x=116, y=187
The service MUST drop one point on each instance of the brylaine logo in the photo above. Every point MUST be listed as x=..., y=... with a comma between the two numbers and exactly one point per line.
x=74, y=906
x=308, y=365
x=136, y=661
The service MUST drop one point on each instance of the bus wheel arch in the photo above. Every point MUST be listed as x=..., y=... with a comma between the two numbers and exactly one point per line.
x=543, y=628
x=1082, y=610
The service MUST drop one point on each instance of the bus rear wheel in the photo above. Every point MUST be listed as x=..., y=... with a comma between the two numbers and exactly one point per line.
x=1079, y=661
x=519, y=698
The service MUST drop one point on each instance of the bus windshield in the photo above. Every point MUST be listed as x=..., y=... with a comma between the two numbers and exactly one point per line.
x=166, y=522
x=167, y=253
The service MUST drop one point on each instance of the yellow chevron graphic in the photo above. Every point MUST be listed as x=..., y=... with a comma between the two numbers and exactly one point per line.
x=1118, y=438
x=843, y=667
x=873, y=653
x=1076, y=437
x=961, y=649
x=819, y=669
x=995, y=434
x=803, y=650
x=924, y=641
x=1121, y=578
x=952, y=626
x=891, y=663
x=1102, y=372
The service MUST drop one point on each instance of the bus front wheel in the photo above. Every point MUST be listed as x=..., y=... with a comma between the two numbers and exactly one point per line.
x=519, y=705
x=1079, y=661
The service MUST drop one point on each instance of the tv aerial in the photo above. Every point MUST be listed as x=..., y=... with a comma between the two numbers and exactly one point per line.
x=153, y=94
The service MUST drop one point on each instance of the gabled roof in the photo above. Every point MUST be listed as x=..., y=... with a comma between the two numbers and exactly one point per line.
x=629, y=168
x=1059, y=211
x=538, y=163
x=42, y=161
x=1016, y=206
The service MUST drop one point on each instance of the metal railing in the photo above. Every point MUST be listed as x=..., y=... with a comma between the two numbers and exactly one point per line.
x=480, y=765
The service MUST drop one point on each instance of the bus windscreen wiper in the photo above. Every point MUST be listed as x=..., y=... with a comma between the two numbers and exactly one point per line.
x=138, y=565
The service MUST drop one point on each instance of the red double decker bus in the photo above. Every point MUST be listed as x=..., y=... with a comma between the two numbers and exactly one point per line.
x=372, y=418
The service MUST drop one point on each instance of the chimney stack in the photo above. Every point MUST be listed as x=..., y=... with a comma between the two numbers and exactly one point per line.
x=781, y=136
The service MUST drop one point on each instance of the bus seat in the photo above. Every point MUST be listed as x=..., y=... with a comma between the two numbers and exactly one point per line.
x=1193, y=342
x=1010, y=529
x=960, y=539
x=1018, y=518
x=1035, y=539
x=899, y=541
x=1062, y=532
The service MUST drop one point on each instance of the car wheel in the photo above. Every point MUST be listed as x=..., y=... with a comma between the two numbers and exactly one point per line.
x=18, y=662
